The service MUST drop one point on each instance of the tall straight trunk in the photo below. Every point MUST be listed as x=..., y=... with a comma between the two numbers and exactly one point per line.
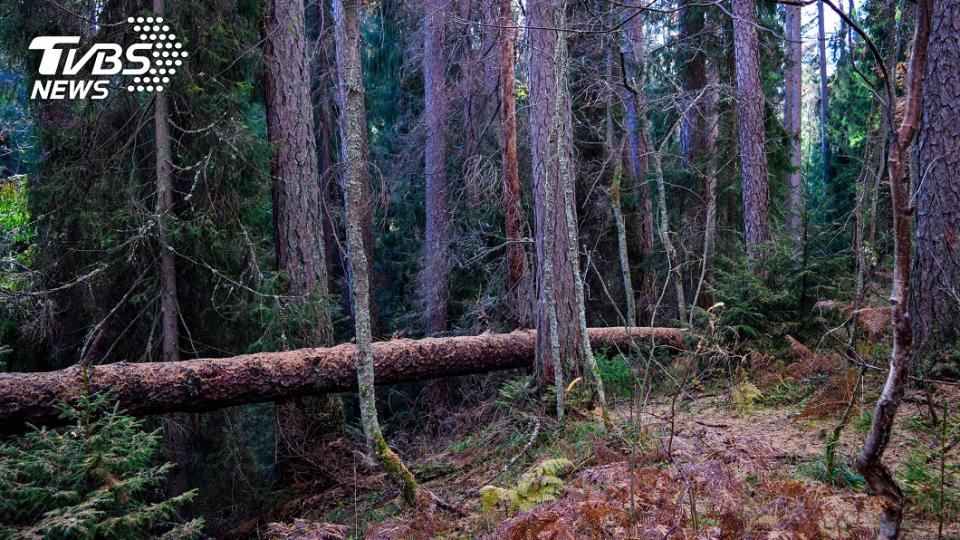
x=792, y=123
x=434, y=278
x=753, y=159
x=869, y=462
x=169, y=324
x=297, y=205
x=615, y=159
x=353, y=122
x=935, y=307
x=550, y=146
x=635, y=119
x=693, y=79
x=822, y=60
x=513, y=213
x=175, y=433
x=710, y=133
x=569, y=201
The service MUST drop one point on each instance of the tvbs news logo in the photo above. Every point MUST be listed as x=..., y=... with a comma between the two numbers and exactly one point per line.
x=144, y=66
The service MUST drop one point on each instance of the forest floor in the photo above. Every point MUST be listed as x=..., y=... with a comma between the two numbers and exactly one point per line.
x=715, y=463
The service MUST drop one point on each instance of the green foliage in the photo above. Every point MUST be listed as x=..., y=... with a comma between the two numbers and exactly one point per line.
x=840, y=474
x=788, y=392
x=930, y=477
x=744, y=397
x=542, y=483
x=618, y=377
x=95, y=479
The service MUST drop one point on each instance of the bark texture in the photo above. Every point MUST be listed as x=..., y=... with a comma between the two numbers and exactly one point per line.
x=205, y=384
x=550, y=147
x=694, y=79
x=513, y=213
x=296, y=197
x=935, y=307
x=824, y=98
x=792, y=118
x=753, y=159
x=434, y=278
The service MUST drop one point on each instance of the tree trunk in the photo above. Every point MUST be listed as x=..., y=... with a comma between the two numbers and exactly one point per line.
x=635, y=108
x=869, y=462
x=792, y=124
x=434, y=279
x=822, y=60
x=353, y=122
x=296, y=190
x=206, y=384
x=753, y=159
x=935, y=306
x=710, y=134
x=546, y=111
x=513, y=213
x=175, y=433
x=694, y=79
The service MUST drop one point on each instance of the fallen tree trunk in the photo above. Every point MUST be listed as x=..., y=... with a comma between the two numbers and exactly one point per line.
x=205, y=384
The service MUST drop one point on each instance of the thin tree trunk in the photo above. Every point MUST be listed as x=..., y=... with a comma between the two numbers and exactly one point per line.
x=935, y=307
x=175, y=432
x=353, y=145
x=673, y=266
x=434, y=278
x=793, y=125
x=710, y=134
x=753, y=159
x=513, y=213
x=614, y=153
x=869, y=461
x=634, y=102
x=822, y=60
x=623, y=251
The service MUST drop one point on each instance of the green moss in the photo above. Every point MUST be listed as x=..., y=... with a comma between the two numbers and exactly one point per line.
x=397, y=471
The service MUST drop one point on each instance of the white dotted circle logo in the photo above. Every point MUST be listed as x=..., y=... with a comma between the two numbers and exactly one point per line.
x=166, y=56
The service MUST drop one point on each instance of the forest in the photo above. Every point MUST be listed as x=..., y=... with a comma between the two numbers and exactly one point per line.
x=501, y=269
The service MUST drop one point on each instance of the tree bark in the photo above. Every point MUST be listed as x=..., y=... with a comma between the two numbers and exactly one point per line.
x=513, y=213
x=205, y=384
x=869, y=461
x=296, y=191
x=549, y=147
x=792, y=124
x=822, y=60
x=434, y=277
x=694, y=79
x=753, y=159
x=935, y=305
x=175, y=434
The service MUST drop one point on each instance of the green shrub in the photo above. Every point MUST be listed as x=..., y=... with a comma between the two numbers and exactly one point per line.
x=96, y=478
